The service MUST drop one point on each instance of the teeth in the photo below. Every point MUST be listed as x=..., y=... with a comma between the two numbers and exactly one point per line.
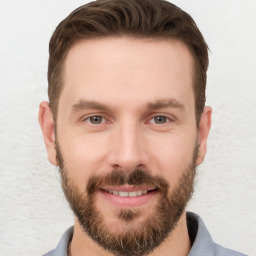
x=132, y=194
x=128, y=194
x=121, y=193
x=139, y=193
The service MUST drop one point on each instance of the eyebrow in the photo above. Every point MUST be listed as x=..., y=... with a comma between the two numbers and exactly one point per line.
x=85, y=104
x=166, y=103
x=161, y=103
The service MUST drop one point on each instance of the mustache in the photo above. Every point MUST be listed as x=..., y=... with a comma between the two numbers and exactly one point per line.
x=121, y=177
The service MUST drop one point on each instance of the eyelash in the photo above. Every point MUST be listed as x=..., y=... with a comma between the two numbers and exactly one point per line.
x=89, y=119
x=166, y=119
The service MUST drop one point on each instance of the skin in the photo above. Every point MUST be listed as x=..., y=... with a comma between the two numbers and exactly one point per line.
x=129, y=82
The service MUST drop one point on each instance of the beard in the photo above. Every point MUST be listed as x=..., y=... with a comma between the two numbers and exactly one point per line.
x=136, y=238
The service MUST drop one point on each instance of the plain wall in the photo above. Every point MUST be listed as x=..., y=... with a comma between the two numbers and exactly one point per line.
x=33, y=211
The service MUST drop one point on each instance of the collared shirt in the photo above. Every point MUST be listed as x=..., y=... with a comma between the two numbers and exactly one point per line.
x=203, y=244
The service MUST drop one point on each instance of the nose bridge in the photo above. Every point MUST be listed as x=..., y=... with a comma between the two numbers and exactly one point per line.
x=128, y=152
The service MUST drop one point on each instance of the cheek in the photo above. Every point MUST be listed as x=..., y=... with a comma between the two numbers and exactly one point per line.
x=83, y=157
x=172, y=155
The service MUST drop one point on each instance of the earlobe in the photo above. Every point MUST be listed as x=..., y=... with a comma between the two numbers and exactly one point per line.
x=203, y=132
x=47, y=125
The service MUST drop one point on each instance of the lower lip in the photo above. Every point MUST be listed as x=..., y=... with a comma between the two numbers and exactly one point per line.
x=136, y=201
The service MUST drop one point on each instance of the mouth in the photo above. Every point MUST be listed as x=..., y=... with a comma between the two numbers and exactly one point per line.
x=128, y=196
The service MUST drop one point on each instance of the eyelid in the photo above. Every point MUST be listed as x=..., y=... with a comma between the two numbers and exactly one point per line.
x=168, y=116
x=87, y=117
x=103, y=120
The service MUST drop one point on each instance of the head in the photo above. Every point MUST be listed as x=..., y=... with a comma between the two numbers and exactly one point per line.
x=126, y=121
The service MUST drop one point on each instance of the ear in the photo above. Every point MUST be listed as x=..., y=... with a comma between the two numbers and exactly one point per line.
x=47, y=125
x=203, y=131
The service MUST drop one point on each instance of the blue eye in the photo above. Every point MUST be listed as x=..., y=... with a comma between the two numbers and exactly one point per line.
x=96, y=119
x=159, y=120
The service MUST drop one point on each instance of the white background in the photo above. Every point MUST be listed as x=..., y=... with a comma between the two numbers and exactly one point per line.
x=33, y=211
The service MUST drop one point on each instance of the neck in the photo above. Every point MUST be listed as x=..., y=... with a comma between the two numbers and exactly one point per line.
x=176, y=244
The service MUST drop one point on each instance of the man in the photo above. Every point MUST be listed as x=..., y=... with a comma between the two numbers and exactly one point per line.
x=127, y=125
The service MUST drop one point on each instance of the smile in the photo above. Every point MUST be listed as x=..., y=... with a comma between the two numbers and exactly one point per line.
x=128, y=194
x=131, y=193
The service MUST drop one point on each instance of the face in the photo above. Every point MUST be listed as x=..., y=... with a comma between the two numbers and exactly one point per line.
x=127, y=139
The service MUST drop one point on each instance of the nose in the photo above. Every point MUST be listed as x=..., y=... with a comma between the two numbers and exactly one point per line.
x=128, y=150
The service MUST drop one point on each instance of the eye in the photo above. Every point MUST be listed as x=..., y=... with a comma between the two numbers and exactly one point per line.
x=159, y=120
x=96, y=119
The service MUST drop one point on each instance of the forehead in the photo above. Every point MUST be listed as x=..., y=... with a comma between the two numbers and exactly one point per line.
x=124, y=68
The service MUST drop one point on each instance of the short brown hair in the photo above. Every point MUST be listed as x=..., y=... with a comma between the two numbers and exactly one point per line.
x=134, y=18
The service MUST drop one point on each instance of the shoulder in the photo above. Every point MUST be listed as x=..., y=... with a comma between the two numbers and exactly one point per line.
x=202, y=240
x=222, y=251
x=61, y=249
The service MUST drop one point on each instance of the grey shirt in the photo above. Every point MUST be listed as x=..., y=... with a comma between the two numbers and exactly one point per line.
x=201, y=239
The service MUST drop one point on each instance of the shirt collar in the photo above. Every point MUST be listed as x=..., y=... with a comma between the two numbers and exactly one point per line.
x=200, y=237
x=201, y=240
